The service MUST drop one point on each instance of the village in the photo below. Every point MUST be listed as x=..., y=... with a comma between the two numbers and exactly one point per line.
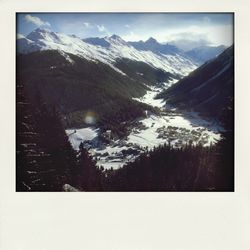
x=110, y=152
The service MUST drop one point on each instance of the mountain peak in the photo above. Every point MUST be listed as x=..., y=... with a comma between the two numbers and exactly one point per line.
x=151, y=40
x=40, y=34
x=41, y=30
x=116, y=39
x=97, y=41
x=114, y=36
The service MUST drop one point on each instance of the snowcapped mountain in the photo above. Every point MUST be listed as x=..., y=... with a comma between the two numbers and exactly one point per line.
x=107, y=50
x=152, y=45
x=199, y=55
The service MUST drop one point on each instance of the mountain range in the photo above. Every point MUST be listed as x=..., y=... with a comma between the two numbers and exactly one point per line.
x=42, y=39
x=99, y=74
x=198, y=55
x=77, y=77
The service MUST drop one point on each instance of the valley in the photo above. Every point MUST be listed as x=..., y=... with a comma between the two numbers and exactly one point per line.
x=169, y=127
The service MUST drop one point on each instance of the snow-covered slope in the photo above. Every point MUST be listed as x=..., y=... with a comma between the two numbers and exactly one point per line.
x=42, y=39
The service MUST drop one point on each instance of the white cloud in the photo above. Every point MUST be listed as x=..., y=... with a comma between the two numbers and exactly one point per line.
x=101, y=28
x=209, y=35
x=36, y=20
x=186, y=37
x=127, y=25
x=187, y=44
x=87, y=25
x=19, y=36
x=133, y=37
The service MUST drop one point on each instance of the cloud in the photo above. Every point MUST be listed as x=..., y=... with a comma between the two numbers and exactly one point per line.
x=188, y=44
x=101, y=28
x=127, y=25
x=36, y=20
x=189, y=40
x=19, y=36
x=131, y=36
x=87, y=25
x=186, y=37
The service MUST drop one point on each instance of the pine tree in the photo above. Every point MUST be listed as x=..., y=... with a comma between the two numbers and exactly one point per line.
x=225, y=151
x=90, y=175
x=45, y=159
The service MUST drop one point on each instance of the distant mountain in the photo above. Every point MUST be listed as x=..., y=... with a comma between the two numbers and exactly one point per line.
x=204, y=53
x=97, y=41
x=106, y=50
x=152, y=45
x=208, y=89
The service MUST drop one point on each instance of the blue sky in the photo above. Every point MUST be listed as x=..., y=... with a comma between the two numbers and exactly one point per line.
x=182, y=28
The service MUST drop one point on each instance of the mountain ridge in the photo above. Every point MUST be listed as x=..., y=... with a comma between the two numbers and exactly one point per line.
x=208, y=89
x=114, y=48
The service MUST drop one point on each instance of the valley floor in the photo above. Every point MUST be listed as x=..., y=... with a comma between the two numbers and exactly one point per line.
x=170, y=127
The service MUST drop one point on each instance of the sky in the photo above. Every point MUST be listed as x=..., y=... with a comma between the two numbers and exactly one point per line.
x=185, y=30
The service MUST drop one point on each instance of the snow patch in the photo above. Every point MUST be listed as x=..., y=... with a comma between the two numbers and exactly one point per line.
x=76, y=136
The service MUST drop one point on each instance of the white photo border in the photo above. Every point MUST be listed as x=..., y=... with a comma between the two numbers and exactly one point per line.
x=115, y=220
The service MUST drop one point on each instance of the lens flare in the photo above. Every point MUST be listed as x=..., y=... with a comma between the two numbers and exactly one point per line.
x=90, y=118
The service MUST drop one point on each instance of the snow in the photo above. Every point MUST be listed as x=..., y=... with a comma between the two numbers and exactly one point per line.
x=149, y=97
x=146, y=138
x=186, y=127
x=76, y=136
x=149, y=137
x=69, y=188
x=47, y=40
x=108, y=165
x=188, y=121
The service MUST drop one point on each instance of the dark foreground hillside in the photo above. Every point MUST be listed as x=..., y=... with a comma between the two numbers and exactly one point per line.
x=208, y=89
